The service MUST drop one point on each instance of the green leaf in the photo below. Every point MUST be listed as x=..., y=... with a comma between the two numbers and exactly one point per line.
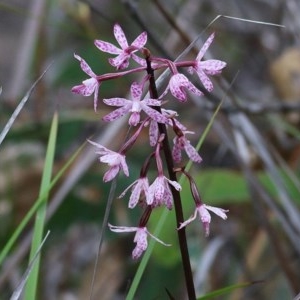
x=31, y=286
x=227, y=290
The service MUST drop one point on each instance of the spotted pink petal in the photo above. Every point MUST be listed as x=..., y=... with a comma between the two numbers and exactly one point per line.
x=141, y=186
x=117, y=113
x=141, y=243
x=153, y=133
x=121, y=61
x=177, y=84
x=205, y=80
x=205, y=46
x=84, y=66
x=116, y=101
x=136, y=91
x=154, y=114
x=192, y=152
x=107, y=47
x=140, y=41
x=176, y=152
x=212, y=66
x=111, y=173
x=120, y=36
x=124, y=166
x=134, y=119
x=139, y=60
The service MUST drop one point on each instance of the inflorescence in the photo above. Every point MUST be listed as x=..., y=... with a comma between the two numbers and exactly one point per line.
x=148, y=112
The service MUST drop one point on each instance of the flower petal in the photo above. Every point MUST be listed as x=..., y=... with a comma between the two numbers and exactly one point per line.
x=154, y=114
x=120, y=36
x=122, y=228
x=153, y=133
x=218, y=211
x=117, y=113
x=192, y=152
x=84, y=66
x=212, y=66
x=116, y=101
x=111, y=173
x=189, y=220
x=140, y=41
x=136, y=91
x=205, y=46
x=107, y=47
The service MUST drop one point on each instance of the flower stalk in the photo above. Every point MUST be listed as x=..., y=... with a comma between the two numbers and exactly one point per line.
x=188, y=274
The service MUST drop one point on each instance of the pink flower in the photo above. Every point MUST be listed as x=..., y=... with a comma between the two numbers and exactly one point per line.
x=160, y=192
x=208, y=67
x=88, y=86
x=181, y=142
x=126, y=51
x=140, y=186
x=204, y=216
x=177, y=85
x=115, y=160
x=134, y=106
x=153, y=127
x=140, y=238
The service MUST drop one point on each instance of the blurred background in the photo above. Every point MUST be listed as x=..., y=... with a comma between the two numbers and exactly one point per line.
x=250, y=157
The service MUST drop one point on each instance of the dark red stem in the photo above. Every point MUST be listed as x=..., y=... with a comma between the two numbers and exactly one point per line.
x=176, y=194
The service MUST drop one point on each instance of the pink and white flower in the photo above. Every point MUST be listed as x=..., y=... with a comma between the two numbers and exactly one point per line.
x=203, y=211
x=140, y=238
x=180, y=143
x=88, y=86
x=115, y=160
x=153, y=127
x=138, y=187
x=134, y=106
x=177, y=85
x=125, y=52
x=208, y=67
x=160, y=192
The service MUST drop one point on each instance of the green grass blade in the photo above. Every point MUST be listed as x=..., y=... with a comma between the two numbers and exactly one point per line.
x=31, y=286
x=226, y=290
x=19, y=108
x=8, y=246
x=163, y=217
x=17, y=293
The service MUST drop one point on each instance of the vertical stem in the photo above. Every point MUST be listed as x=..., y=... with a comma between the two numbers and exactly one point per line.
x=176, y=194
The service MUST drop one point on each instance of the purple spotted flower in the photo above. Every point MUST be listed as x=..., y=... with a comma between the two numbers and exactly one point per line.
x=125, y=52
x=88, y=86
x=134, y=106
x=180, y=143
x=140, y=238
x=208, y=67
x=160, y=192
x=178, y=85
x=115, y=160
x=203, y=211
x=138, y=187
x=153, y=127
